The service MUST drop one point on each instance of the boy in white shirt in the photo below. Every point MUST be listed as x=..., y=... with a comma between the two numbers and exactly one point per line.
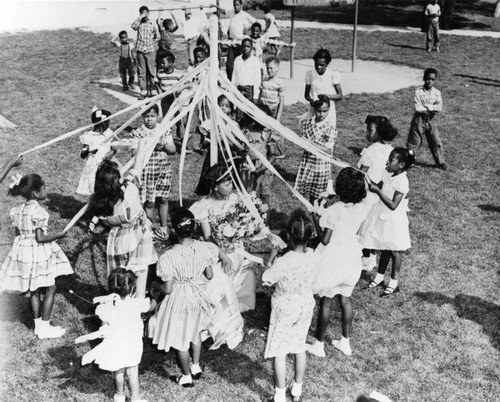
x=432, y=13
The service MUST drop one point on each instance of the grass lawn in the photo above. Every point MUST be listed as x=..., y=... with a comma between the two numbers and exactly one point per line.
x=437, y=340
x=468, y=14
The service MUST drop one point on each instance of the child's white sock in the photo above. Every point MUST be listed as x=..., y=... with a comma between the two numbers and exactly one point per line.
x=195, y=369
x=378, y=278
x=280, y=394
x=37, y=324
x=296, y=389
x=393, y=283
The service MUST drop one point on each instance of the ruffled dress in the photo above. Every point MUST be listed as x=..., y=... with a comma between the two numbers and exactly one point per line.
x=31, y=265
x=98, y=147
x=130, y=240
x=340, y=260
x=292, y=302
x=232, y=292
x=187, y=311
x=385, y=229
x=122, y=344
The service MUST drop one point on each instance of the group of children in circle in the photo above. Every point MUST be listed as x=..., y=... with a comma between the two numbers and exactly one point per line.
x=368, y=217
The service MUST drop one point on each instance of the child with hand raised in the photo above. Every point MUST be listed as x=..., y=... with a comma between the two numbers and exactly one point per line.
x=35, y=259
x=292, y=304
x=122, y=330
x=117, y=203
x=387, y=226
x=339, y=256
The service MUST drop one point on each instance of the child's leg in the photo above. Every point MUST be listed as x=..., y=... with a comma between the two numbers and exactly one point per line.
x=346, y=306
x=122, y=68
x=131, y=74
x=396, y=264
x=429, y=38
x=35, y=303
x=436, y=35
x=323, y=318
x=279, y=364
x=149, y=209
x=414, y=141
x=48, y=302
x=183, y=361
x=434, y=141
x=300, y=369
x=162, y=204
x=195, y=352
x=140, y=285
x=385, y=257
x=133, y=381
x=120, y=381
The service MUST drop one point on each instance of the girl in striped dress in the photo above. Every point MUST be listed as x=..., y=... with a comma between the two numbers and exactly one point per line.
x=187, y=310
x=118, y=205
x=35, y=259
x=314, y=173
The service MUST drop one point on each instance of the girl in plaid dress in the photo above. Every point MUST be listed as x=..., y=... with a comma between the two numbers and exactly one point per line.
x=314, y=173
x=35, y=259
x=156, y=177
x=118, y=205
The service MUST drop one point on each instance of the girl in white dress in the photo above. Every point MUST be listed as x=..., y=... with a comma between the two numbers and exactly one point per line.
x=379, y=132
x=121, y=349
x=232, y=288
x=118, y=205
x=292, y=305
x=186, y=311
x=95, y=148
x=325, y=81
x=340, y=256
x=387, y=226
x=35, y=259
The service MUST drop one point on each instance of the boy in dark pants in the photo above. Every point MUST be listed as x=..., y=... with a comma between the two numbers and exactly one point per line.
x=428, y=103
x=126, y=62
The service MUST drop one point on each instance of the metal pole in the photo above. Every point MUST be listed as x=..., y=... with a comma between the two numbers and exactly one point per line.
x=292, y=49
x=213, y=71
x=181, y=8
x=354, y=35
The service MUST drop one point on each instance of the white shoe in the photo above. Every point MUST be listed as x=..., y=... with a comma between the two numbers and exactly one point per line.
x=119, y=398
x=47, y=331
x=317, y=348
x=343, y=346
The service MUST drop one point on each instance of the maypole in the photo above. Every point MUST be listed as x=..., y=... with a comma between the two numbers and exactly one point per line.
x=213, y=72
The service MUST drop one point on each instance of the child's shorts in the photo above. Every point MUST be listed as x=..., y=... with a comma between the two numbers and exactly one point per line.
x=264, y=184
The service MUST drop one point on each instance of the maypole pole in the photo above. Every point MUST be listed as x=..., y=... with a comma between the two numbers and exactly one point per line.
x=213, y=72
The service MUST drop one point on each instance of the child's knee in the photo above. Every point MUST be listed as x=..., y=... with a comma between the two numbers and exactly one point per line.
x=162, y=201
x=148, y=205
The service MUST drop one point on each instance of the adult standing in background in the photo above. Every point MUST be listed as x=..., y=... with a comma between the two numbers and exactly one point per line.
x=239, y=22
x=147, y=36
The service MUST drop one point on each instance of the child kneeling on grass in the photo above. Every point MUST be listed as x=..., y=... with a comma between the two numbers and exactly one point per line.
x=292, y=304
x=156, y=176
x=121, y=349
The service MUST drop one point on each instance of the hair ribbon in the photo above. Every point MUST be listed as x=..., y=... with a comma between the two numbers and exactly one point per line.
x=15, y=180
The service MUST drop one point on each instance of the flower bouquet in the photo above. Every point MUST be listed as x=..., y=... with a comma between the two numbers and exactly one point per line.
x=238, y=224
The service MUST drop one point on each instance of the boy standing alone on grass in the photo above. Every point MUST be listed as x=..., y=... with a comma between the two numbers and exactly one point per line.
x=127, y=62
x=432, y=13
x=147, y=36
x=428, y=103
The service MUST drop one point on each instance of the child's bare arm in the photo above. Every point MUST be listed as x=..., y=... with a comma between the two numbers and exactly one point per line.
x=280, y=107
x=16, y=161
x=307, y=93
x=43, y=238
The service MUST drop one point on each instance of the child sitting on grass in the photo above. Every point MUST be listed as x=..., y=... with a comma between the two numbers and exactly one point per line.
x=95, y=148
x=387, y=226
x=339, y=265
x=167, y=76
x=292, y=305
x=379, y=132
x=156, y=177
x=35, y=259
x=121, y=349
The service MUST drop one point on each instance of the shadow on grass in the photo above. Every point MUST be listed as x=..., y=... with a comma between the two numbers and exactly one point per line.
x=65, y=205
x=15, y=307
x=426, y=165
x=472, y=308
x=407, y=46
x=480, y=80
x=489, y=207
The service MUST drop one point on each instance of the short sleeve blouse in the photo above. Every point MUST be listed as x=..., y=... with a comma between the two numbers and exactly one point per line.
x=322, y=84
